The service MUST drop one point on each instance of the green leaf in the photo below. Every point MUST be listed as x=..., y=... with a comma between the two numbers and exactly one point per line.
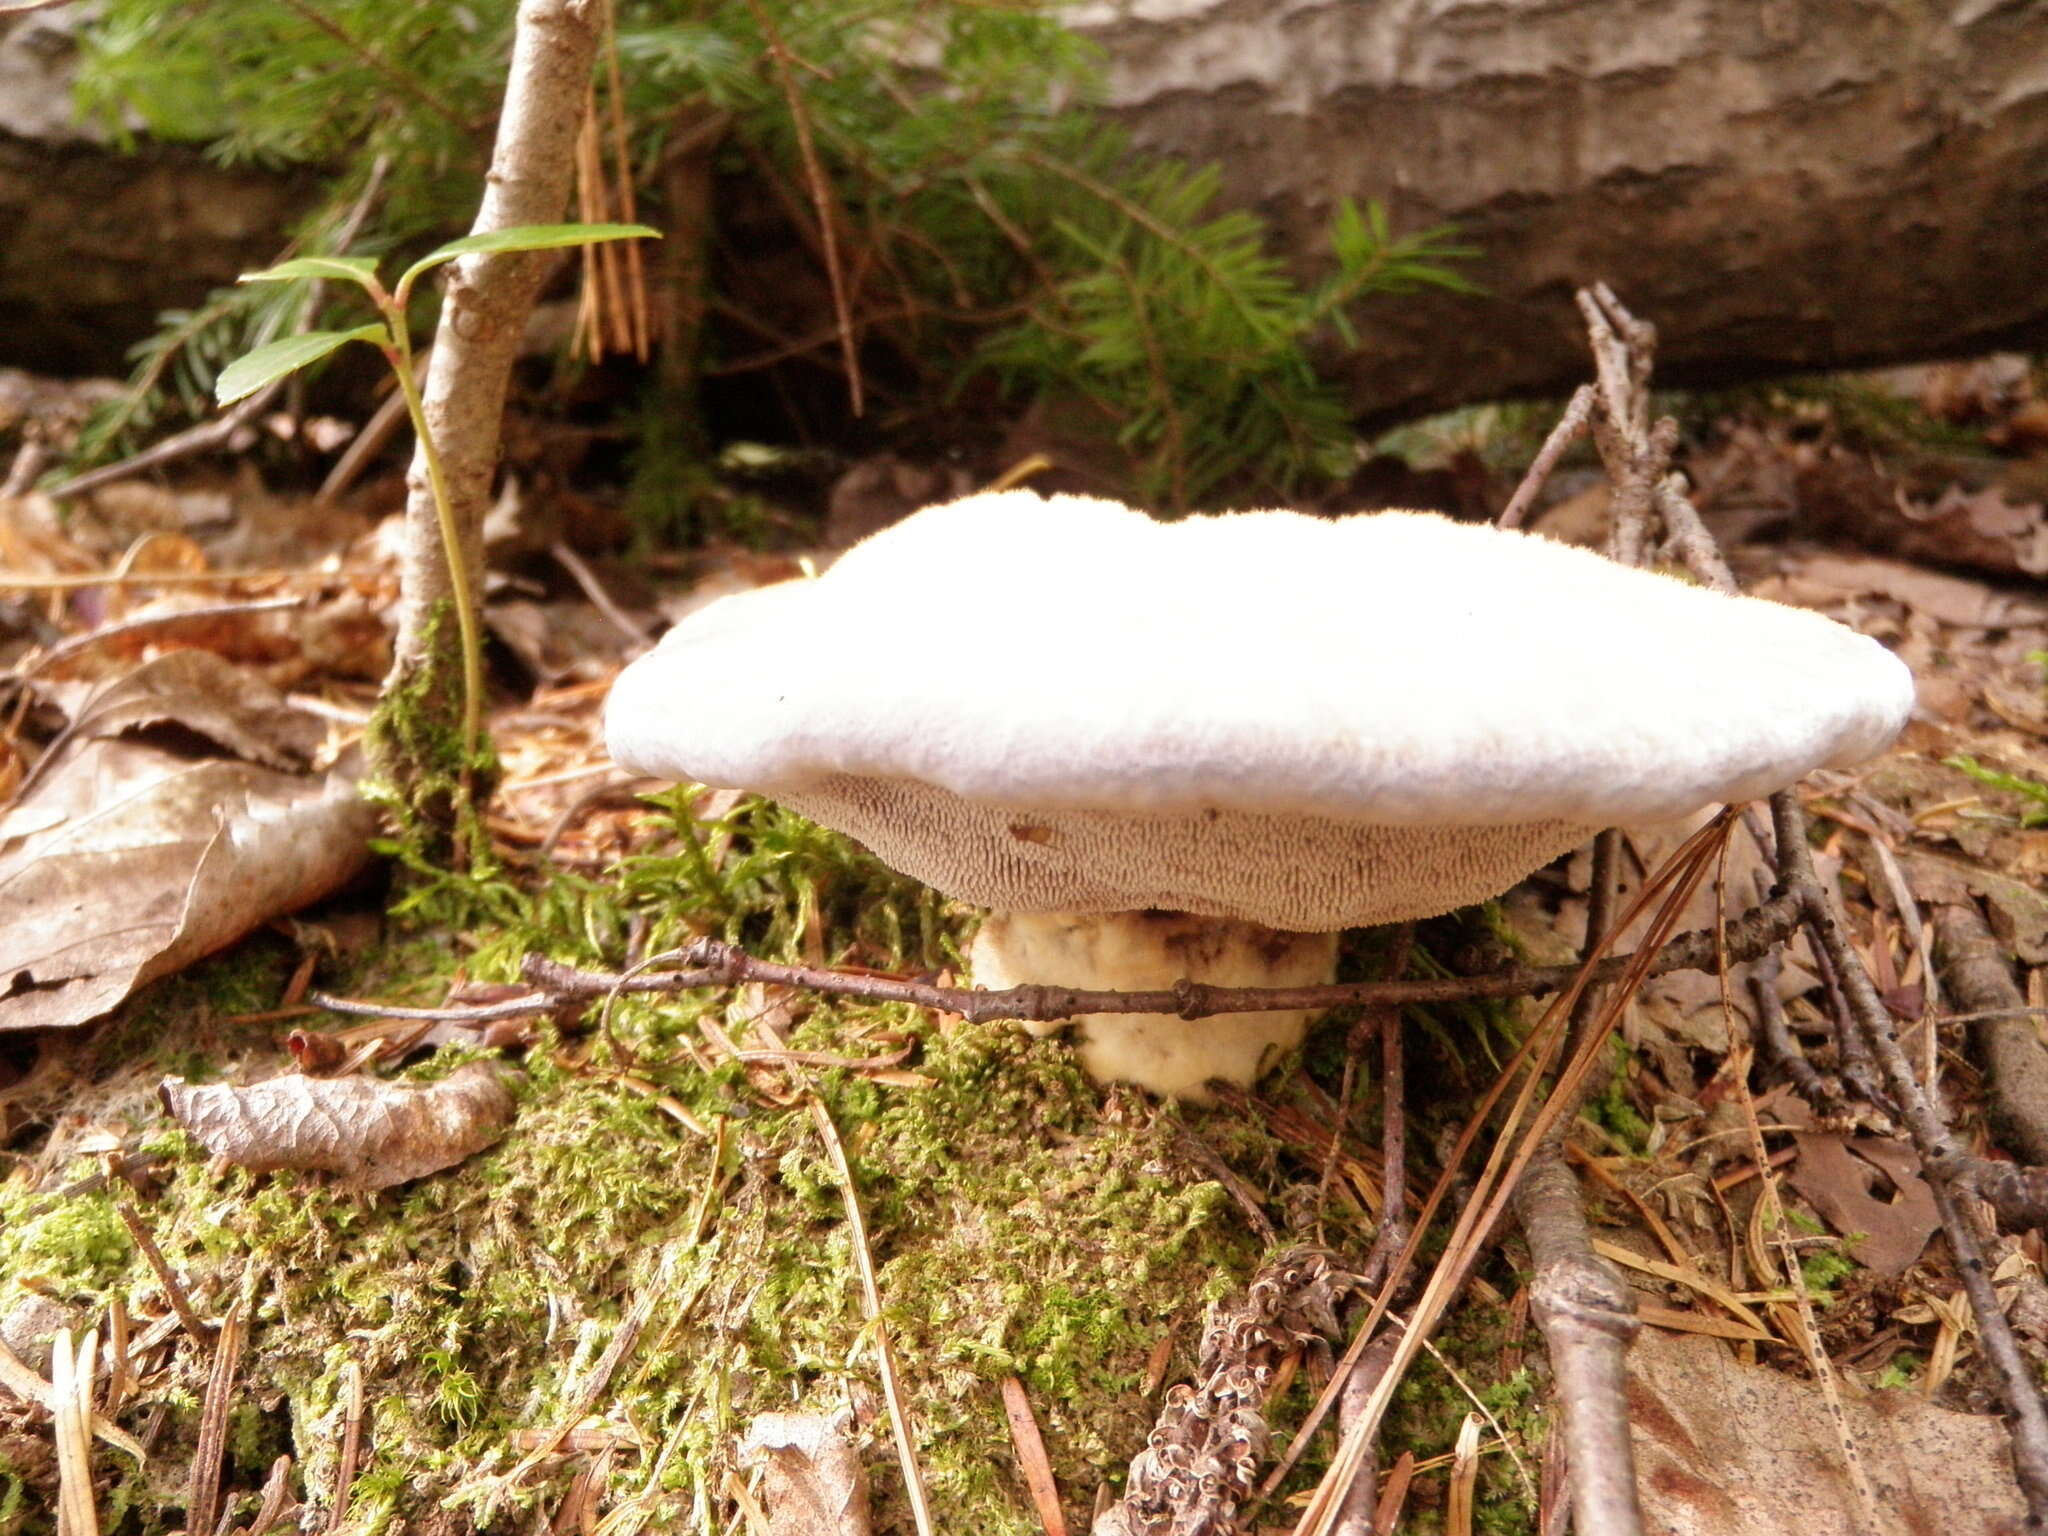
x=527, y=237
x=249, y=373
x=347, y=269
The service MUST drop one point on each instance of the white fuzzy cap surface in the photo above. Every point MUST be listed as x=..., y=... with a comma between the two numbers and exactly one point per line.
x=1392, y=668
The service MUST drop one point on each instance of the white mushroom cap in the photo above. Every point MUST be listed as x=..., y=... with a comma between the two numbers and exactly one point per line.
x=1061, y=704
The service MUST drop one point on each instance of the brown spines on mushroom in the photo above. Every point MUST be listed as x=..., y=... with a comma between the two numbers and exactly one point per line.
x=1308, y=874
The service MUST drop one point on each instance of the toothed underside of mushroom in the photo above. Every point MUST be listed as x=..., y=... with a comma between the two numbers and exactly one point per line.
x=1308, y=874
x=1140, y=951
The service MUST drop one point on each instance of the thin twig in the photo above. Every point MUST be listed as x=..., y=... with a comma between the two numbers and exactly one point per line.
x=203, y=438
x=1775, y=1039
x=1361, y=1504
x=375, y=436
x=1382, y=1021
x=715, y=964
x=174, y=1290
x=1393, y=1233
x=1571, y=426
x=1946, y=1165
x=24, y=581
x=871, y=1295
x=1686, y=538
x=73, y=644
x=586, y=579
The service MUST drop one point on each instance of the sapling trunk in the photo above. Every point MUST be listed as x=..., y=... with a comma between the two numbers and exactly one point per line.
x=418, y=739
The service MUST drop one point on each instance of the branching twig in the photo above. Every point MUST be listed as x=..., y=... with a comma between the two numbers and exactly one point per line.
x=711, y=963
x=1637, y=456
x=1571, y=426
x=1586, y=1311
x=1976, y=968
x=1947, y=1167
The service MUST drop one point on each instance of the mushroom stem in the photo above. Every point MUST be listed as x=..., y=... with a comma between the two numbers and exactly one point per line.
x=1139, y=951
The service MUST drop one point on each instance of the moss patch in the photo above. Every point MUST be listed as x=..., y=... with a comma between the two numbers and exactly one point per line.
x=1020, y=1222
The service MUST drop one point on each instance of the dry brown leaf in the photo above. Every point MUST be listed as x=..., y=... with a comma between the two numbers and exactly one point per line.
x=1842, y=1178
x=1819, y=580
x=371, y=1133
x=1681, y=1011
x=560, y=643
x=812, y=1481
x=1943, y=509
x=177, y=817
x=1729, y=1450
x=2018, y=912
x=1981, y=528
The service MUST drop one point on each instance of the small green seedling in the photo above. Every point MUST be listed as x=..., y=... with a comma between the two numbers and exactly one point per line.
x=2032, y=792
x=274, y=360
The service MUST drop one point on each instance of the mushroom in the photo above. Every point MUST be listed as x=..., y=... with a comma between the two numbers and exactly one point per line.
x=1201, y=748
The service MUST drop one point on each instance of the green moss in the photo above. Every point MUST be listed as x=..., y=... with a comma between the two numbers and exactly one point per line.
x=1478, y=1344
x=1611, y=1107
x=74, y=1245
x=1018, y=1225
x=1825, y=1268
x=427, y=781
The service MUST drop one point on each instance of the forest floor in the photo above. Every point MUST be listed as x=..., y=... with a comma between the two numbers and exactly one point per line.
x=626, y=1278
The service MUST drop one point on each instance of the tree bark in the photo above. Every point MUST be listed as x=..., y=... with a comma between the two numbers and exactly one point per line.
x=1782, y=185
x=483, y=316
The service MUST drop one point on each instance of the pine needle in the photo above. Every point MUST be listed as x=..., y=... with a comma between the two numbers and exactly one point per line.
x=871, y=1292
x=71, y=1400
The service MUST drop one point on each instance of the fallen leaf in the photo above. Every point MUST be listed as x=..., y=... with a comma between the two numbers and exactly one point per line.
x=560, y=643
x=369, y=1132
x=1818, y=579
x=1841, y=1177
x=1729, y=1450
x=176, y=816
x=885, y=489
x=1951, y=511
x=1981, y=528
x=2018, y=912
x=812, y=1483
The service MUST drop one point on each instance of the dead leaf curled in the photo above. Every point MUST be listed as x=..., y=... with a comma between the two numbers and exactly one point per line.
x=369, y=1132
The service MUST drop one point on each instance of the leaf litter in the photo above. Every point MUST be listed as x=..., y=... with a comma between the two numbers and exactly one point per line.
x=1661, y=1136
x=368, y=1133
x=187, y=787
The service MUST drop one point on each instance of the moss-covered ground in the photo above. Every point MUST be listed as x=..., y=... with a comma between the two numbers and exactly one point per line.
x=1020, y=1222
